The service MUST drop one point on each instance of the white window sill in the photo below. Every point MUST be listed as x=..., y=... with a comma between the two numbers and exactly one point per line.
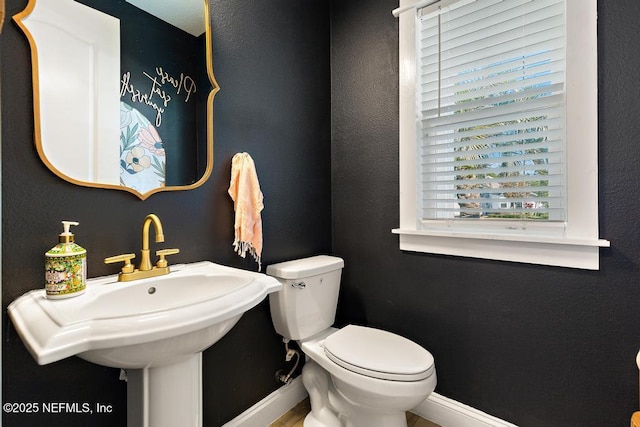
x=556, y=251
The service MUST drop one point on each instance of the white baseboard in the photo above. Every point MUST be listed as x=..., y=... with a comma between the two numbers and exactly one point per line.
x=439, y=409
x=271, y=407
x=450, y=413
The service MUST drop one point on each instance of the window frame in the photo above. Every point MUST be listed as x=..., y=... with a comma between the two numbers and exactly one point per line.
x=576, y=243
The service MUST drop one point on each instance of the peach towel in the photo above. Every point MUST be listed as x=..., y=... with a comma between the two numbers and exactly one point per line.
x=244, y=189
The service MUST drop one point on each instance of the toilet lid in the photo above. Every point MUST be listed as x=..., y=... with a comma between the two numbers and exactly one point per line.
x=378, y=354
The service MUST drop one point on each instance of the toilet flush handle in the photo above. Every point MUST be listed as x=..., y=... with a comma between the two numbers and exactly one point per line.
x=299, y=285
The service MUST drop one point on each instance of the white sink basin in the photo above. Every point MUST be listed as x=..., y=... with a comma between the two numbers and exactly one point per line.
x=155, y=328
x=143, y=323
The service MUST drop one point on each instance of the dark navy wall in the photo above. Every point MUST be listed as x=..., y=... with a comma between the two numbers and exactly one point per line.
x=534, y=345
x=272, y=64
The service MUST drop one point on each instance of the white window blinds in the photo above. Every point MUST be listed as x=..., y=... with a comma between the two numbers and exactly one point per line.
x=490, y=99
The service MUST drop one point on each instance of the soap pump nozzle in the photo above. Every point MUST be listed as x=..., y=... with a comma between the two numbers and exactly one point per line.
x=67, y=236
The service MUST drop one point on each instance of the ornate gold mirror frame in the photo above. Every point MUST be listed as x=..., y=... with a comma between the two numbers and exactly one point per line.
x=1, y=14
x=20, y=17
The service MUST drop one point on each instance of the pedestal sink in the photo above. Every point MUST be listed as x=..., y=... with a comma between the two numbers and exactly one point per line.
x=154, y=328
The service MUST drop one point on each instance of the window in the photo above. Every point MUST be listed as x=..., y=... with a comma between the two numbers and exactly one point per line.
x=498, y=130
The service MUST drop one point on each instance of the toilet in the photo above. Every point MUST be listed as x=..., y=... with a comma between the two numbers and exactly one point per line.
x=356, y=376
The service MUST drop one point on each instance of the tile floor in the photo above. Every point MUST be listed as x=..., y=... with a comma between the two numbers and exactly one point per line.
x=295, y=417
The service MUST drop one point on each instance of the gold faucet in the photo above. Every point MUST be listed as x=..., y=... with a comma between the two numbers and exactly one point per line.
x=145, y=269
x=145, y=261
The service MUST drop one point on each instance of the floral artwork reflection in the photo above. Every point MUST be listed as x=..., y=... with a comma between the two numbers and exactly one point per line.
x=142, y=154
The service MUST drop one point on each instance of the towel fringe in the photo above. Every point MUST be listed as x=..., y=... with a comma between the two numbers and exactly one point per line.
x=241, y=248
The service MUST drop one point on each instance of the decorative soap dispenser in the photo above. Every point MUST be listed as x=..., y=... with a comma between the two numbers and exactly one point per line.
x=65, y=266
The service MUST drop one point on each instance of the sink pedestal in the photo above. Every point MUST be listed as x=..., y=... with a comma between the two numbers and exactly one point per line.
x=166, y=396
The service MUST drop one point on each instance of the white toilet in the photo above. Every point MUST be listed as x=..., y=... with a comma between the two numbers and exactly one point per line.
x=355, y=376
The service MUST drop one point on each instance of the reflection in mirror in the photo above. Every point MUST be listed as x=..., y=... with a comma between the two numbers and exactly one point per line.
x=123, y=97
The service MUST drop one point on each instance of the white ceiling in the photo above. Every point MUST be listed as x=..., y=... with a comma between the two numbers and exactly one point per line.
x=187, y=15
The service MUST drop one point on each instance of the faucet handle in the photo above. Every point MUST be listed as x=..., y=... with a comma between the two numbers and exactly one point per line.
x=127, y=267
x=162, y=262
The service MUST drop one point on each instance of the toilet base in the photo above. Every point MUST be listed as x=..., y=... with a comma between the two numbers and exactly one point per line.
x=316, y=380
x=329, y=408
x=376, y=421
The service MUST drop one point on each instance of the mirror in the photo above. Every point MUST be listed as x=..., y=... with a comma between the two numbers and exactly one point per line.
x=123, y=91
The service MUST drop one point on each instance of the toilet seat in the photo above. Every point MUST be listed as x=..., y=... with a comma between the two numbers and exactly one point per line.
x=378, y=354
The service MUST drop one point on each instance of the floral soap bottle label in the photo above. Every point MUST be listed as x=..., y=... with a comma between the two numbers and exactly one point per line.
x=65, y=276
x=65, y=267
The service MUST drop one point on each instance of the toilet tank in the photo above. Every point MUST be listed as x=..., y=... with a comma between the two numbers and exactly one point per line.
x=308, y=300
